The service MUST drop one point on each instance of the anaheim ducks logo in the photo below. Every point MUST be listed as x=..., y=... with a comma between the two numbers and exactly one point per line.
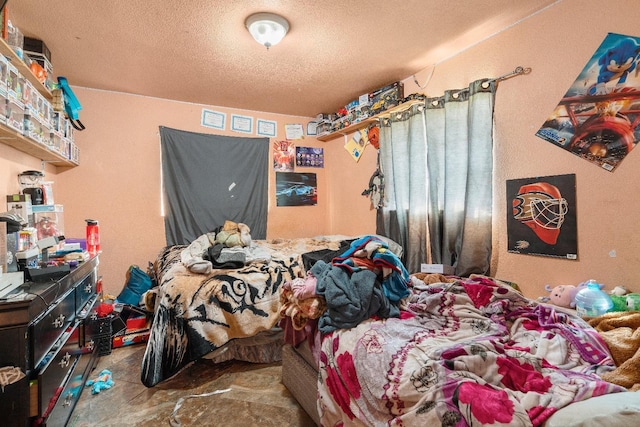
x=542, y=208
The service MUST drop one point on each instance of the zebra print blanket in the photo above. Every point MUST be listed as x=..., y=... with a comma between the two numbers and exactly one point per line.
x=196, y=314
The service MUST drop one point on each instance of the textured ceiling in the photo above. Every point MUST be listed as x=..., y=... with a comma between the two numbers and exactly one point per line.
x=200, y=51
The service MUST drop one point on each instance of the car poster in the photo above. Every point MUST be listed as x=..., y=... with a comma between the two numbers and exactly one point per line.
x=310, y=157
x=296, y=189
x=598, y=117
x=541, y=216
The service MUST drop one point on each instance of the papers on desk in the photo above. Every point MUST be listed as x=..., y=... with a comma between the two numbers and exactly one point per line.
x=9, y=282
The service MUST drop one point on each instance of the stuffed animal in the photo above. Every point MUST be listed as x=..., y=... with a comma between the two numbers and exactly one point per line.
x=103, y=381
x=564, y=295
x=234, y=234
x=619, y=290
x=626, y=302
x=633, y=301
x=618, y=298
x=619, y=302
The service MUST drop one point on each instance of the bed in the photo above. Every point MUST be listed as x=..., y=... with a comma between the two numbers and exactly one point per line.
x=463, y=351
x=448, y=351
x=226, y=313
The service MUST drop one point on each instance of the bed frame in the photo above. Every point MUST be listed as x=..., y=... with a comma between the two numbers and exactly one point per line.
x=300, y=376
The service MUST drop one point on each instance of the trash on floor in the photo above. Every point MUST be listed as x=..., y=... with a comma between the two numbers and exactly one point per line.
x=174, y=421
x=103, y=381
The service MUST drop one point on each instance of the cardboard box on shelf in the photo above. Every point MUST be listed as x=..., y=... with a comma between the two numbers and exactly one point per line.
x=3, y=105
x=15, y=115
x=35, y=129
x=15, y=84
x=74, y=153
x=386, y=97
x=3, y=247
x=4, y=72
x=21, y=204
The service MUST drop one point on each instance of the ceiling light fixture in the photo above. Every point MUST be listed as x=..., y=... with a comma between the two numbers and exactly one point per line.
x=268, y=29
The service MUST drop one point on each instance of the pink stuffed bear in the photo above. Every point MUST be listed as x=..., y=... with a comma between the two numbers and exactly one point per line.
x=564, y=295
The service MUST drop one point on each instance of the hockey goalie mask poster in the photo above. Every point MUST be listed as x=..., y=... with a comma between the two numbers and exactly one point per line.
x=541, y=216
x=598, y=117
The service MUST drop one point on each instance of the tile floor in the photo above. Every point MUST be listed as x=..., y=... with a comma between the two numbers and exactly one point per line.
x=256, y=396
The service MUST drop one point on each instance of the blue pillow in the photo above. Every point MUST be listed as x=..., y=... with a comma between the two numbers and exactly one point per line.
x=138, y=282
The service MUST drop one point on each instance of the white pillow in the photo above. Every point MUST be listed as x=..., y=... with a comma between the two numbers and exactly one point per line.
x=611, y=410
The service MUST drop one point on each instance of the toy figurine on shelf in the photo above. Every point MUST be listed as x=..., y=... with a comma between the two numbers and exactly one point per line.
x=38, y=71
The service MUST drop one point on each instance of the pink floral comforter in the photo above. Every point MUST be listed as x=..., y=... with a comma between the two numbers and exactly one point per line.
x=468, y=353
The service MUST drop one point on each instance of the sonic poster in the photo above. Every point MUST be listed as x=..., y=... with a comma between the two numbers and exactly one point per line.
x=598, y=117
x=541, y=216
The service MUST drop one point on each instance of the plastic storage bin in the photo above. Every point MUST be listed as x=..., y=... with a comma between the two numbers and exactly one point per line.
x=592, y=301
x=48, y=220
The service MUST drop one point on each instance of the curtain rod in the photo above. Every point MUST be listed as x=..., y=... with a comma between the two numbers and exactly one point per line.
x=420, y=97
x=517, y=72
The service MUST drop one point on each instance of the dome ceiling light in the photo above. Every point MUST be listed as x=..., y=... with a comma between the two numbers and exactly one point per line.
x=268, y=29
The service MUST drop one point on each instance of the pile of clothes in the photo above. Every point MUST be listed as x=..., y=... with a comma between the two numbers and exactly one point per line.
x=222, y=248
x=366, y=280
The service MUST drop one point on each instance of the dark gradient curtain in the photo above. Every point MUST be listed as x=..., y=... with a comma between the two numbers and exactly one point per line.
x=209, y=179
x=437, y=160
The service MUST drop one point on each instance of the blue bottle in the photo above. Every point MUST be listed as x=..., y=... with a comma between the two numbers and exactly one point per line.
x=592, y=301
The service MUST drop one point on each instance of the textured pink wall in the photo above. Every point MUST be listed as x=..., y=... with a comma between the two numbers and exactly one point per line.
x=118, y=180
x=556, y=44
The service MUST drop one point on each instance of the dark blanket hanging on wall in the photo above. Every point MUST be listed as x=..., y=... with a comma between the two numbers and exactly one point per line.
x=209, y=179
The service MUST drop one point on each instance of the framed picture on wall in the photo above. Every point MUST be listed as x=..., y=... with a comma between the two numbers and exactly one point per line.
x=213, y=119
x=243, y=124
x=541, y=216
x=266, y=128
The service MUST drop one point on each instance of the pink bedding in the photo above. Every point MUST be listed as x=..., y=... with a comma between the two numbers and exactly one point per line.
x=471, y=352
